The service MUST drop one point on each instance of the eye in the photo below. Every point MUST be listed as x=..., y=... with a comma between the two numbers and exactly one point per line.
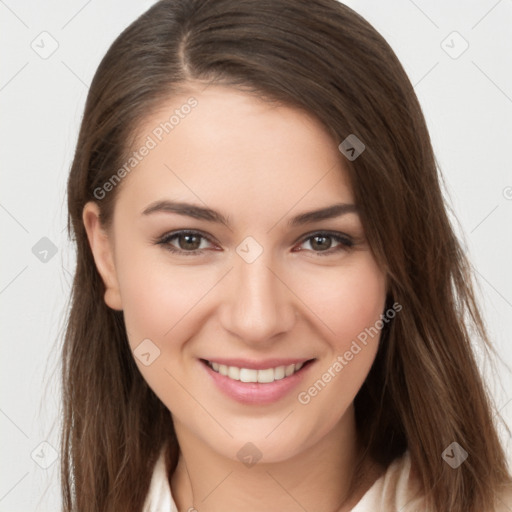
x=188, y=242
x=323, y=242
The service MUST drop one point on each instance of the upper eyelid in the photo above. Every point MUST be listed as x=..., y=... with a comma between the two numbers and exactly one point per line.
x=328, y=232
x=173, y=234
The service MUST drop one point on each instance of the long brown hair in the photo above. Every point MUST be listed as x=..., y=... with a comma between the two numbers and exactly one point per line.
x=424, y=390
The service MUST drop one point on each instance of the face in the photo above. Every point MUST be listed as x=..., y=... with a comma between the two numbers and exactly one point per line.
x=218, y=271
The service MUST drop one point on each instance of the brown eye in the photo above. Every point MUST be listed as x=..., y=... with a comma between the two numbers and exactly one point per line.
x=325, y=243
x=189, y=242
x=321, y=242
x=184, y=242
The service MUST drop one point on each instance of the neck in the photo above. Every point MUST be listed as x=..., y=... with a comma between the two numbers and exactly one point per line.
x=317, y=478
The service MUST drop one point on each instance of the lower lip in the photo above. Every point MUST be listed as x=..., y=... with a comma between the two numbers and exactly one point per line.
x=256, y=392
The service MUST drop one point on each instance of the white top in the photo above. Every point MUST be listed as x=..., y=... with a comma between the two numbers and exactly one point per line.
x=391, y=492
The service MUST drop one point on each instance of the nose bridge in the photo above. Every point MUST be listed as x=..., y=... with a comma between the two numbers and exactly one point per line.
x=259, y=306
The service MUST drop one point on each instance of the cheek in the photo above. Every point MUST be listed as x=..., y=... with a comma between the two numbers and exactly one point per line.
x=157, y=295
x=159, y=301
x=151, y=303
x=351, y=305
x=347, y=300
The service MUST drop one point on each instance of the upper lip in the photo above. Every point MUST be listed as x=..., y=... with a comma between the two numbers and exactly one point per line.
x=257, y=365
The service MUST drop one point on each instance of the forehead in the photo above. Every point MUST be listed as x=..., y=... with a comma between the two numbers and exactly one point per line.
x=228, y=148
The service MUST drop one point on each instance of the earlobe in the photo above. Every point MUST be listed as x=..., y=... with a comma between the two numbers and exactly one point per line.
x=102, y=250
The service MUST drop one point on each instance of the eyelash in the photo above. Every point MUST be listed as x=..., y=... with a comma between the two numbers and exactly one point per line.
x=345, y=241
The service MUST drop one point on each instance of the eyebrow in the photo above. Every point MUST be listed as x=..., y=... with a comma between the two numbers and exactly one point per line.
x=201, y=213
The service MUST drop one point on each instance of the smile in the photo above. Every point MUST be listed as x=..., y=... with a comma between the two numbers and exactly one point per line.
x=252, y=382
x=266, y=375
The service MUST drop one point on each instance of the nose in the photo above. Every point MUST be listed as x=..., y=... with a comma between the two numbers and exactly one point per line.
x=258, y=304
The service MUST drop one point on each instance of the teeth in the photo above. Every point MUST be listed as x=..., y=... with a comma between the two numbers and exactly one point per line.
x=289, y=370
x=245, y=374
x=268, y=375
x=234, y=372
x=249, y=375
x=279, y=373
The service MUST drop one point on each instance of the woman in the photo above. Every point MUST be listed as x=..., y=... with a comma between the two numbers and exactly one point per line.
x=269, y=305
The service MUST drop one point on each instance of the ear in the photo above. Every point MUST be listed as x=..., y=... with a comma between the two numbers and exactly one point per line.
x=103, y=253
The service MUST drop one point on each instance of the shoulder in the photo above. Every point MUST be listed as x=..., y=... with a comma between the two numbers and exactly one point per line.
x=398, y=488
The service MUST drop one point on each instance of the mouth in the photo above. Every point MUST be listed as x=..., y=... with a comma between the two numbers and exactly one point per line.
x=257, y=375
x=257, y=383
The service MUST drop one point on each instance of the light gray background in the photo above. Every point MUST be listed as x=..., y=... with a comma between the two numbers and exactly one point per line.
x=467, y=102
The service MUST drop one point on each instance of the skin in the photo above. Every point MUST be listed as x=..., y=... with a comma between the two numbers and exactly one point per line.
x=278, y=162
